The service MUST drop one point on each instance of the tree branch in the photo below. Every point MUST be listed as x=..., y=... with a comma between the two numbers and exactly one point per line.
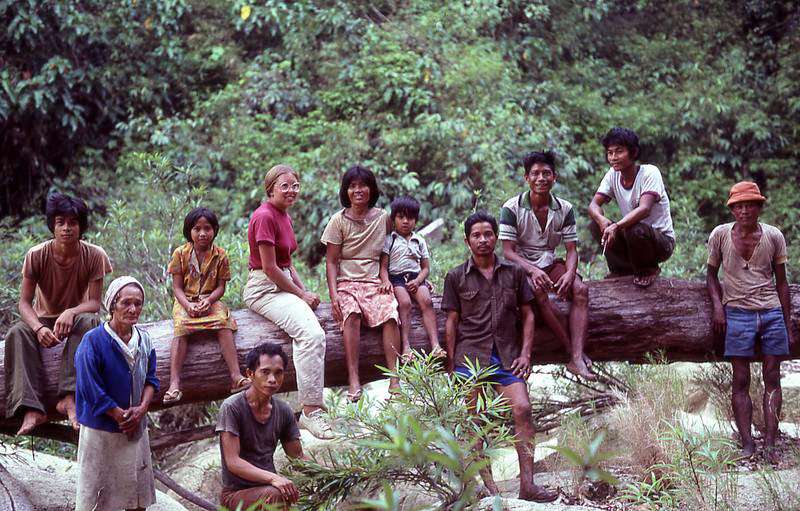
x=195, y=499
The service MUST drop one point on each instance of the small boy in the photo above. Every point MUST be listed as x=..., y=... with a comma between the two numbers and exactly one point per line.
x=406, y=255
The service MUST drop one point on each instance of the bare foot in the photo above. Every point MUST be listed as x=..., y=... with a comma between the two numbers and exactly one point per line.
x=587, y=361
x=579, y=369
x=30, y=420
x=67, y=407
x=394, y=387
x=536, y=493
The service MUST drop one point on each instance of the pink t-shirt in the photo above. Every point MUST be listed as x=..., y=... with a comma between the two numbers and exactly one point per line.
x=272, y=226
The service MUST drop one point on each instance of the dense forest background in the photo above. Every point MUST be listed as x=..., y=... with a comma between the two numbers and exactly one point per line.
x=147, y=108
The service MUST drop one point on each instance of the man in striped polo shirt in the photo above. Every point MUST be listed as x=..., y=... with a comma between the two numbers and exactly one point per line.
x=532, y=225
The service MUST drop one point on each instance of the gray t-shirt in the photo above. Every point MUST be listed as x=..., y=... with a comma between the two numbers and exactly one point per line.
x=257, y=441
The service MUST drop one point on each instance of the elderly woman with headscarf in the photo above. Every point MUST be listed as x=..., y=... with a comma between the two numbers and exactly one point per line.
x=274, y=290
x=116, y=368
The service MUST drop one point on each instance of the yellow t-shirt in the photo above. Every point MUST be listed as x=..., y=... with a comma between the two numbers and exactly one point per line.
x=362, y=244
x=748, y=284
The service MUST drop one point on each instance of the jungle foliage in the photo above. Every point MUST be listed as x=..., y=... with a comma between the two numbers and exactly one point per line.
x=119, y=102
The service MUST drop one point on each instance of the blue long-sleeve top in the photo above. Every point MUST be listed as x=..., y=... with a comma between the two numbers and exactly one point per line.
x=105, y=380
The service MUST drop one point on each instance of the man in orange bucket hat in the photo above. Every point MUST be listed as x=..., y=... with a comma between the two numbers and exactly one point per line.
x=752, y=306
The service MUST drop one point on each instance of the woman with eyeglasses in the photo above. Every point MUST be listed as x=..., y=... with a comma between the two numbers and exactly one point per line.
x=274, y=290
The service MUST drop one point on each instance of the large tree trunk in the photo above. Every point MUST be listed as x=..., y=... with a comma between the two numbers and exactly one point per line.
x=673, y=317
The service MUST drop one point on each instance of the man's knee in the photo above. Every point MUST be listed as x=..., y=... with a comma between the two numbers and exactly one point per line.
x=741, y=382
x=521, y=411
x=271, y=495
x=19, y=330
x=423, y=300
x=21, y=336
x=252, y=497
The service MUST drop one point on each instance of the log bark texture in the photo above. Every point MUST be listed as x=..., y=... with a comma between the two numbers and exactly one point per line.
x=626, y=323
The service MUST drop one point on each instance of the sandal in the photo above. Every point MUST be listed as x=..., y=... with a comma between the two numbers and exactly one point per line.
x=242, y=384
x=644, y=280
x=354, y=397
x=172, y=397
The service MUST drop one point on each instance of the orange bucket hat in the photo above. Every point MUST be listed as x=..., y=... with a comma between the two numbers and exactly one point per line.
x=745, y=191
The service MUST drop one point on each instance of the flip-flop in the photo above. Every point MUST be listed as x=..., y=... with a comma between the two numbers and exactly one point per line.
x=354, y=397
x=243, y=384
x=172, y=397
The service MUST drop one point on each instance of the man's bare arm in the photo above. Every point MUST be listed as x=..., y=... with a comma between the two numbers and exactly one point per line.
x=450, y=333
x=715, y=292
x=240, y=467
x=294, y=449
x=782, y=286
x=639, y=213
x=596, y=210
x=510, y=253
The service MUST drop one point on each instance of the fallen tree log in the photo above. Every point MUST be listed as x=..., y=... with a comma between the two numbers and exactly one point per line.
x=671, y=318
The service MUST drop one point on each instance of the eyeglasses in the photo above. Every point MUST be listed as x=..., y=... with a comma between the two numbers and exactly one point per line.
x=285, y=187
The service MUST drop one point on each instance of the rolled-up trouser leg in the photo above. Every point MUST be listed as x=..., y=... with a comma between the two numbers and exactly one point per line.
x=617, y=257
x=295, y=317
x=259, y=496
x=66, y=375
x=24, y=371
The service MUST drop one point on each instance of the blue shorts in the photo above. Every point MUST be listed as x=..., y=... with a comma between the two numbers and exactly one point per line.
x=400, y=279
x=500, y=375
x=744, y=327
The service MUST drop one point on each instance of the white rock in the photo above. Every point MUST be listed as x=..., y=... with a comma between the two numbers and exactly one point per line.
x=51, y=481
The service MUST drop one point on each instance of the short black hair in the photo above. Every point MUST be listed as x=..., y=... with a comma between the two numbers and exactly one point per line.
x=195, y=215
x=363, y=174
x=624, y=137
x=477, y=217
x=406, y=206
x=59, y=204
x=268, y=348
x=545, y=157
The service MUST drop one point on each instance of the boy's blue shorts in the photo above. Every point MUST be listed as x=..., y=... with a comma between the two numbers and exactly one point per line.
x=400, y=279
x=744, y=327
x=500, y=375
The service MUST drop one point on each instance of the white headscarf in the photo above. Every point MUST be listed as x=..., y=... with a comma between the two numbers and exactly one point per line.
x=115, y=287
x=131, y=349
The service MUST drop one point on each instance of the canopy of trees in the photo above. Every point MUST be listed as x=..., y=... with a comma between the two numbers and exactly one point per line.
x=145, y=108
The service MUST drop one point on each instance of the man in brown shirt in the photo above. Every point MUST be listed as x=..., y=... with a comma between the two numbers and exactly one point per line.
x=485, y=298
x=62, y=281
x=751, y=307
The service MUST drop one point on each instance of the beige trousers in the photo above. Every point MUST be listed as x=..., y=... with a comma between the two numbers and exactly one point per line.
x=292, y=315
